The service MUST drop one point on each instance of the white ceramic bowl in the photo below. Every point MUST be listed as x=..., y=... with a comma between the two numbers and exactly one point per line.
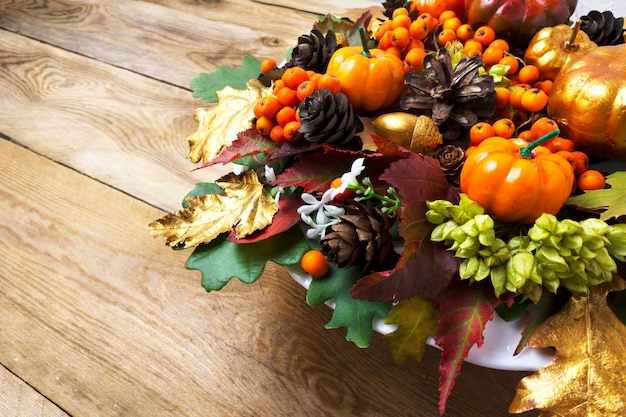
x=501, y=338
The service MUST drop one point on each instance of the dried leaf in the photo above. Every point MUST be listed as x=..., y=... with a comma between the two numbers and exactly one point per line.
x=417, y=321
x=218, y=126
x=245, y=205
x=587, y=376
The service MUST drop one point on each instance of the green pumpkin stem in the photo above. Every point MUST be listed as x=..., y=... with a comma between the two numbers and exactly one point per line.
x=527, y=151
x=366, y=50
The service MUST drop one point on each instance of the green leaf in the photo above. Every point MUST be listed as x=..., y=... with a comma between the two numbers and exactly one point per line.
x=417, y=321
x=611, y=201
x=205, y=85
x=355, y=315
x=222, y=260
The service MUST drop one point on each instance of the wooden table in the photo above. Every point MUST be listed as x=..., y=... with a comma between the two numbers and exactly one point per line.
x=100, y=319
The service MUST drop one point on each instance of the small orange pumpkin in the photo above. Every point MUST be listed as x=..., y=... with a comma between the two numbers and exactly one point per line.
x=371, y=78
x=514, y=182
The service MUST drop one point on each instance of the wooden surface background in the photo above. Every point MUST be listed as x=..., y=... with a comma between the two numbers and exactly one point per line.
x=100, y=319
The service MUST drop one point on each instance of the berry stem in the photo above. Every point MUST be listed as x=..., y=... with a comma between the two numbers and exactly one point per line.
x=527, y=151
x=366, y=50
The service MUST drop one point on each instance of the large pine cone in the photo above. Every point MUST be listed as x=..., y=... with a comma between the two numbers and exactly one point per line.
x=313, y=51
x=456, y=99
x=362, y=237
x=603, y=27
x=325, y=118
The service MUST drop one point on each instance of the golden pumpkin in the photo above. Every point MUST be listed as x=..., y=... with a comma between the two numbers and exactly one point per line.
x=588, y=101
x=552, y=47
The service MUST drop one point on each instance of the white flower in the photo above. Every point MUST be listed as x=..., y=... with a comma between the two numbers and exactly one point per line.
x=349, y=178
x=325, y=214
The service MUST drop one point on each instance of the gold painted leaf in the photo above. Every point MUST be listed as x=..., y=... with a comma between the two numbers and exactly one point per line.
x=219, y=125
x=587, y=377
x=417, y=321
x=245, y=206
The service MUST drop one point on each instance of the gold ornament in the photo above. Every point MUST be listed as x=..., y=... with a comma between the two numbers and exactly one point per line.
x=420, y=134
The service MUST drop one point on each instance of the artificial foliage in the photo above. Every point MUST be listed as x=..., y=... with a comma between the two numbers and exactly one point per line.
x=455, y=266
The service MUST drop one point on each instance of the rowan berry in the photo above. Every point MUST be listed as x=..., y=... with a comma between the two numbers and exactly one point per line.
x=591, y=180
x=267, y=65
x=504, y=127
x=314, y=263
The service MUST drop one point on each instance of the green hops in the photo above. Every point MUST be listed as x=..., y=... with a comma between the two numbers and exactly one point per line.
x=551, y=254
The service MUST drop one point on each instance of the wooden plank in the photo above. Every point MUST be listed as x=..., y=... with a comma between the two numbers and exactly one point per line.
x=103, y=320
x=158, y=41
x=114, y=125
x=17, y=399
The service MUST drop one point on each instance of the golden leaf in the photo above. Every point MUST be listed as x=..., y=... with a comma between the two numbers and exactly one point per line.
x=245, y=206
x=587, y=376
x=219, y=125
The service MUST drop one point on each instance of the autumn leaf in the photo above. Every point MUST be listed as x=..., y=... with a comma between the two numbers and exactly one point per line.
x=221, y=260
x=587, y=377
x=249, y=142
x=355, y=315
x=345, y=26
x=219, y=125
x=610, y=201
x=245, y=206
x=417, y=180
x=465, y=311
x=206, y=85
x=416, y=319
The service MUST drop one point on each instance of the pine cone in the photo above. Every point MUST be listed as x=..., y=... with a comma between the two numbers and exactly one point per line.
x=451, y=159
x=325, y=118
x=455, y=98
x=313, y=51
x=603, y=28
x=361, y=237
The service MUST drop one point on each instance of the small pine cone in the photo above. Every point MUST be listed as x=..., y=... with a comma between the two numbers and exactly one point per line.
x=325, y=118
x=451, y=159
x=362, y=237
x=603, y=28
x=313, y=51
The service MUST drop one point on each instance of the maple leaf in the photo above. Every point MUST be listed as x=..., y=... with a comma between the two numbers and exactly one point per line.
x=465, y=310
x=219, y=125
x=345, y=26
x=610, y=201
x=245, y=206
x=221, y=260
x=206, y=85
x=249, y=142
x=587, y=376
x=355, y=315
x=416, y=319
x=417, y=179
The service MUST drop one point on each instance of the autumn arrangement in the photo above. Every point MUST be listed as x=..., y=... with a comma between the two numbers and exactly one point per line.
x=433, y=163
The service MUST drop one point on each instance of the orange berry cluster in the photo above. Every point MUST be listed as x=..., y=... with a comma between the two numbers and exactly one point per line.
x=586, y=179
x=276, y=114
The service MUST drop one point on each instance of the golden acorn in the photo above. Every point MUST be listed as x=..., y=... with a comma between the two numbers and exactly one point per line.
x=420, y=134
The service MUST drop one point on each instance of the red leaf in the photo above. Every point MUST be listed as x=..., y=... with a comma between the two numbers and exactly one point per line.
x=388, y=148
x=285, y=219
x=464, y=312
x=417, y=180
x=248, y=142
x=412, y=275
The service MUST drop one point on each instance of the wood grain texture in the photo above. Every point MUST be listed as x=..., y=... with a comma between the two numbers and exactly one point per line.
x=119, y=127
x=17, y=399
x=171, y=44
x=103, y=320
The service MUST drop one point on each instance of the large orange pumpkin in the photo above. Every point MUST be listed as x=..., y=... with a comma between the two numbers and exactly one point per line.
x=588, y=100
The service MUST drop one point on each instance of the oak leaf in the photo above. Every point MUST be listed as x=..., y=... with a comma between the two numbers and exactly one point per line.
x=218, y=126
x=245, y=206
x=587, y=376
x=611, y=202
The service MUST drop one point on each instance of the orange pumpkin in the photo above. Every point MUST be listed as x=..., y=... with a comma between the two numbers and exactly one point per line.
x=514, y=182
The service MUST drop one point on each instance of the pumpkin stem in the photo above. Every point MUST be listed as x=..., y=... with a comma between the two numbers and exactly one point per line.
x=527, y=151
x=366, y=50
x=571, y=43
